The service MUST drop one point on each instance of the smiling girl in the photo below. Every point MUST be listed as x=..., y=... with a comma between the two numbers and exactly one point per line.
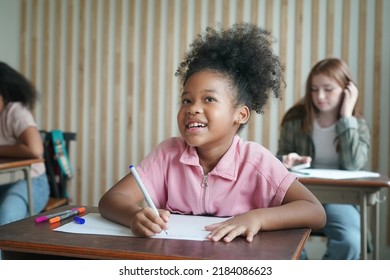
x=210, y=170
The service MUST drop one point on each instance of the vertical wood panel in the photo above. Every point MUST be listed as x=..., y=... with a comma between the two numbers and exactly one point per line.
x=211, y=14
x=159, y=40
x=198, y=16
x=34, y=42
x=377, y=85
x=254, y=11
x=240, y=10
x=266, y=116
x=283, y=54
x=252, y=127
x=183, y=39
x=67, y=92
x=362, y=53
x=329, y=28
x=80, y=112
x=298, y=50
x=314, y=32
x=346, y=28
x=225, y=13
x=57, y=66
x=141, y=106
x=130, y=81
x=105, y=95
x=51, y=59
x=148, y=62
x=123, y=92
x=170, y=68
x=118, y=54
x=45, y=66
x=94, y=179
x=69, y=110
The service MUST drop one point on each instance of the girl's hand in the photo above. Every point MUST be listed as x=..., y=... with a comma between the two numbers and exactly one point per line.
x=146, y=223
x=294, y=159
x=242, y=225
x=349, y=101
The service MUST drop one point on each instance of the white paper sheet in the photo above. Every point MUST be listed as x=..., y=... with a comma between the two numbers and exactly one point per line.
x=334, y=174
x=184, y=227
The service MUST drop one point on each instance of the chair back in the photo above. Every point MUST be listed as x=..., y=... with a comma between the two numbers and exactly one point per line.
x=57, y=179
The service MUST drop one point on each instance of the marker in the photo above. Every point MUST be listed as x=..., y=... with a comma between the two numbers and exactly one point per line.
x=67, y=215
x=79, y=220
x=47, y=217
x=144, y=191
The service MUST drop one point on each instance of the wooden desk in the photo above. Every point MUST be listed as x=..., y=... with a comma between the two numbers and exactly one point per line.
x=8, y=165
x=363, y=192
x=27, y=240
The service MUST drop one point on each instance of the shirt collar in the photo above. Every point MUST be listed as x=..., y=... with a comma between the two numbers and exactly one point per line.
x=227, y=167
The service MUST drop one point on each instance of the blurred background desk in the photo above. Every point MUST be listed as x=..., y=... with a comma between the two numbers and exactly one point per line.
x=25, y=239
x=9, y=165
x=361, y=191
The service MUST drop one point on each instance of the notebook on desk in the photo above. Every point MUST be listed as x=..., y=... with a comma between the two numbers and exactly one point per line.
x=334, y=173
x=185, y=227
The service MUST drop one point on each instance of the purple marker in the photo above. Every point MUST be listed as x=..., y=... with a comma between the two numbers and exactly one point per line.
x=47, y=217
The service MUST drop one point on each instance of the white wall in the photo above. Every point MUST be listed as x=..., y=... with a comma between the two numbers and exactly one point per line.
x=9, y=46
x=9, y=32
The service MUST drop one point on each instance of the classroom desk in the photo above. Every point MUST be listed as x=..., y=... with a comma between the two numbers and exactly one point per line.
x=8, y=165
x=25, y=239
x=362, y=191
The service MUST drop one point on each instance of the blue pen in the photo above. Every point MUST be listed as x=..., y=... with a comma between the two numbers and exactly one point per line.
x=141, y=185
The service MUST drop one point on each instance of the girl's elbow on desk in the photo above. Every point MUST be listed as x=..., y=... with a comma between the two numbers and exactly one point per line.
x=319, y=217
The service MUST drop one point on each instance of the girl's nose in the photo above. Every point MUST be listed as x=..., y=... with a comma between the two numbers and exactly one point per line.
x=321, y=94
x=194, y=109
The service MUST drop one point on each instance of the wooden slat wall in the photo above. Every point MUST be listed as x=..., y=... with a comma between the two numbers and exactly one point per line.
x=105, y=69
x=362, y=53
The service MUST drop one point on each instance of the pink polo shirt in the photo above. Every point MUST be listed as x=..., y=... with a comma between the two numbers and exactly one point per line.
x=247, y=177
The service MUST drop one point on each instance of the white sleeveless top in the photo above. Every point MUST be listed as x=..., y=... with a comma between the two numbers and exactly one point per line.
x=326, y=155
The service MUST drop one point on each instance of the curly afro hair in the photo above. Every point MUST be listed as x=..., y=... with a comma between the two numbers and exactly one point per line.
x=14, y=87
x=242, y=53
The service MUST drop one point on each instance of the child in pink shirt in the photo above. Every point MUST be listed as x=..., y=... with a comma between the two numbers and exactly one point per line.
x=210, y=170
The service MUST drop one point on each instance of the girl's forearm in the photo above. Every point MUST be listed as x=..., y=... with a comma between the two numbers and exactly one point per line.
x=116, y=207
